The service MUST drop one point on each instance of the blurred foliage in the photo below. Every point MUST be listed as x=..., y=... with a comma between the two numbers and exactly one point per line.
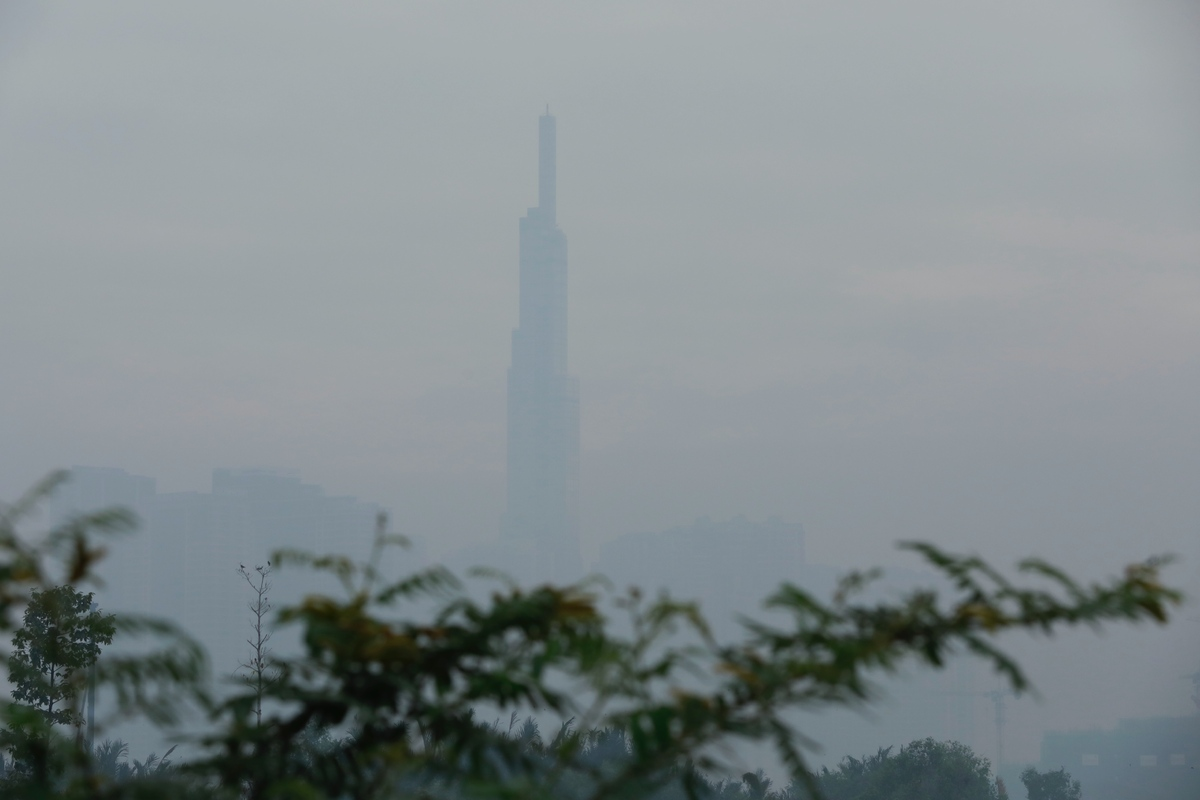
x=387, y=701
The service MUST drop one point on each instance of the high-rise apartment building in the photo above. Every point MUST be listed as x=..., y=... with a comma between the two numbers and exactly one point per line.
x=543, y=400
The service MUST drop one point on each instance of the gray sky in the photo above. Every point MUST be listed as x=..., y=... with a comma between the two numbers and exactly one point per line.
x=894, y=270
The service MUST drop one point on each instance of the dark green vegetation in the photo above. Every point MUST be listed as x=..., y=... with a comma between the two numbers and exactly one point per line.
x=58, y=641
x=924, y=769
x=386, y=701
x=1050, y=785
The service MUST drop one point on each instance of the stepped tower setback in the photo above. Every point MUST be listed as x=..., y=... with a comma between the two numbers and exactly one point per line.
x=543, y=400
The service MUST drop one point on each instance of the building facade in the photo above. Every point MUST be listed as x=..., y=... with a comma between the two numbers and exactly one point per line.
x=543, y=400
x=182, y=563
x=1151, y=757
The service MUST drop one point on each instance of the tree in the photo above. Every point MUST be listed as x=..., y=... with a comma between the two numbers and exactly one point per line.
x=110, y=758
x=59, y=640
x=1051, y=785
x=257, y=665
x=924, y=769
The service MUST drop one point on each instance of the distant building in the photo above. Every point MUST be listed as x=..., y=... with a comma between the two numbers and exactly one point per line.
x=1154, y=757
x=541, y=519
x=182, y=562
x=126, y=570
x=732, y=564
x=730, y=567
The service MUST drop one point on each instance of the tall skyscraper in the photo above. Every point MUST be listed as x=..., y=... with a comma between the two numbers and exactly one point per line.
x=543, y=400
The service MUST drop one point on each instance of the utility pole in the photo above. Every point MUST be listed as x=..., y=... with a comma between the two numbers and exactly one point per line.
x=997, y=696
x=1195, y=678
x=91, y=700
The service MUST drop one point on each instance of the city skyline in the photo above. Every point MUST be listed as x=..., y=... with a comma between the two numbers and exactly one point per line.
x=910, y=274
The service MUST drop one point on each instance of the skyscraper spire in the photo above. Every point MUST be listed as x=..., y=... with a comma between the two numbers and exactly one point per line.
x=543, y=400
x=547, y=166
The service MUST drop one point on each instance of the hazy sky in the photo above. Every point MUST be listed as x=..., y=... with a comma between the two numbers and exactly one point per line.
x=893, y=270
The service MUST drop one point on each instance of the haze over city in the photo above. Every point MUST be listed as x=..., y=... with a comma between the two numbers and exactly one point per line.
x=884, y=271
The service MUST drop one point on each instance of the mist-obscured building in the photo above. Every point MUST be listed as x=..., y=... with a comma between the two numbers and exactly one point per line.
x=541, y=518
x=182, y=562
x=731, y=564
x=126, y=570
x=730, y=567
x=1154, y=758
